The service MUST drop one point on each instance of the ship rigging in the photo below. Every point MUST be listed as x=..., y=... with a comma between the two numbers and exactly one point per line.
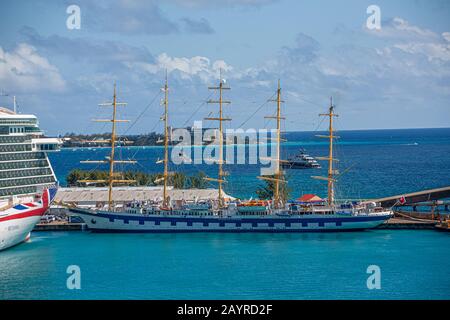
x=275, y=215
x=113, y=177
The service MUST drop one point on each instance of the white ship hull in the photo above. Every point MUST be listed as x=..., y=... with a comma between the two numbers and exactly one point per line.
x=16, y=231
x=103, y=221
x=16, y=223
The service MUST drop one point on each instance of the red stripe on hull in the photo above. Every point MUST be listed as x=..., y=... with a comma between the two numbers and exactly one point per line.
x=21, y=215
x=30, y=204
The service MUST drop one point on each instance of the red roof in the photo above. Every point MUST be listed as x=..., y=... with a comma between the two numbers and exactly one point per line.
x=309, y=198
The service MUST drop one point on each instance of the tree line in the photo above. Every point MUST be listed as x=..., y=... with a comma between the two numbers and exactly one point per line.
x=178, y=180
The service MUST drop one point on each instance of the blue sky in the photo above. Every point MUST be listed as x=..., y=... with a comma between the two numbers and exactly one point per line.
x=396, y=77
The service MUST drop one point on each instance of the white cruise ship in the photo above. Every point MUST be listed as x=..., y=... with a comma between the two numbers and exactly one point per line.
x=27, y=181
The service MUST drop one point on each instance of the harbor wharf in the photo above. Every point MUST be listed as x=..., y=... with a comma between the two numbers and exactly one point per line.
x=60, y=226
x=404, y=223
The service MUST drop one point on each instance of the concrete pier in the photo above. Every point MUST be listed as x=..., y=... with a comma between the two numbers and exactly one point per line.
x=443, y=227
x=60, y=226
x=400, y=223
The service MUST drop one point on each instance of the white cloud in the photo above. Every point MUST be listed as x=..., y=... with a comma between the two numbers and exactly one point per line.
x=23, y=69
x=405, y=27
x=399, y=28
x=432, y=51
x=409, y=68
x=446, y=36
x=188, y=68
x=414, y=40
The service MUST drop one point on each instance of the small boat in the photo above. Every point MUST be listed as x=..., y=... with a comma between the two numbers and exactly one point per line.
x=302, y=160
x=254, y=206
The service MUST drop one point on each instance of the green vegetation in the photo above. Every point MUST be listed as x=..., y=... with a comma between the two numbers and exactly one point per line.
x=266, y=190
x=178, y=180
x=198, y=181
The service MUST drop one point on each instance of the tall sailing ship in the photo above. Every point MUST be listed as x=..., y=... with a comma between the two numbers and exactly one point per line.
x=225, y=215
x=27, y=180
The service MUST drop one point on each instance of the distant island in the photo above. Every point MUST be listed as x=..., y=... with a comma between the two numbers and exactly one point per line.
x=73, y=140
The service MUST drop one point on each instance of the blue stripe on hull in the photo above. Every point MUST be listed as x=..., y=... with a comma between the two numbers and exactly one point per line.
x=118, y=223
x=223, y=230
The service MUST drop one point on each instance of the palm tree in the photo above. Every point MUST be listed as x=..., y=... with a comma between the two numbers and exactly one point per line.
x=267, y=190
x=73, y=177
x=198, y=181
x=178, y=180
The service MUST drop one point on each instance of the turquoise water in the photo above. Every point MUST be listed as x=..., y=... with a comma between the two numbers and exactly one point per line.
x=414, y=265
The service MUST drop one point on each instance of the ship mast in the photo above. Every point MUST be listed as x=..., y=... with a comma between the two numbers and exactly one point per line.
x=165, y=118
x=277, y=179
x=110, y=160
x=331, y=172
x=166, y=142
x=220, y=174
